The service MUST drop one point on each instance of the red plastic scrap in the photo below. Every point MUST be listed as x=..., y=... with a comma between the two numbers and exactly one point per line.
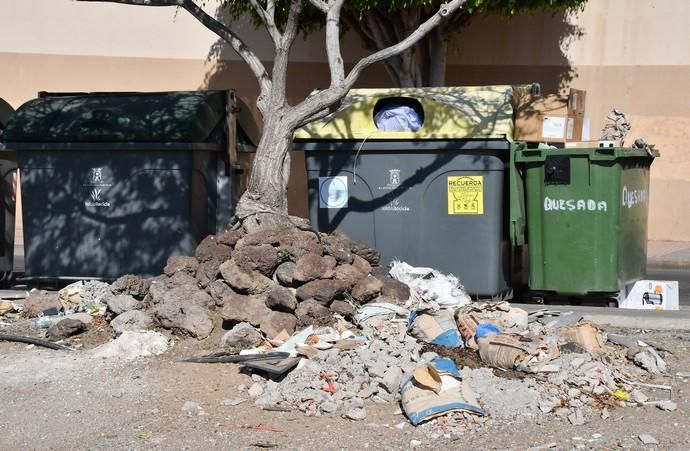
x=330, y=386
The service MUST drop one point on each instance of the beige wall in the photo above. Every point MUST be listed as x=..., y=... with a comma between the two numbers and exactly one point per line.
x=628, y=54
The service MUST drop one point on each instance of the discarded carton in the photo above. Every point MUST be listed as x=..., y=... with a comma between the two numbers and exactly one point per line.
x=584, y=335
x=650, y=295
x=512, y=351
x=549, y=118
x=435, y=389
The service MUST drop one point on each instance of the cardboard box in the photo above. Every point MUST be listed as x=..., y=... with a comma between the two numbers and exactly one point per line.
x=549, y=118
x=650, y=295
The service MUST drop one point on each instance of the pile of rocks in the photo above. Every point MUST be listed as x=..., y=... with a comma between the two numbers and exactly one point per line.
x=275, y=280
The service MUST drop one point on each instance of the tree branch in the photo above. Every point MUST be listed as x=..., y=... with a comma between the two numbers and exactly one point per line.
x=335, y=58
x=445, y=10
x=268, y=18
x=140, y=2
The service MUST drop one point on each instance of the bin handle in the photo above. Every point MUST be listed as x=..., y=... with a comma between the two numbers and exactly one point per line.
x=354, y=164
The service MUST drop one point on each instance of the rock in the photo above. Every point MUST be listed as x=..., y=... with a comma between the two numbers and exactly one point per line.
x=132, y=321
x=131, y=285
x=40, y=301
x=648, y=439
x=361, y=265
x=380, y=272
x=290, y=241
x=264, y=236
x=229, y=237
x=65, y=328
x=207, y=272
x=284, y=273
x=667, y=405
x=638, y=396
x=312, y=312
x=328, y=407
x=122, y=303
x=181, y=279
x=238, y=308
x=356, y=414
x=263, y=258
x=218, y=290
x=394, y=290
x=212, y=249
x=391, y=379
x=366, y=289
x=281, y=299
x=365, y=251
x=275, y=322
x=242, y=336
x=131, y=345
x=184, y=310
x=576, y=418
x=323, y=291
x=244, y=281
x=232, y=402
x=348, y=274
x=256, y=390
x=547, y=405
x=338, y=249
x=650, y=360
x=415, y=443
x=376, y=368
x=179, y=263
x=192, y=408
x=605, y=415
x=312, y=267
x=342, y=308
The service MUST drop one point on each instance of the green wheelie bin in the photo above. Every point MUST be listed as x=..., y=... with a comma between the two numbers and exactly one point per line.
x=587, y=211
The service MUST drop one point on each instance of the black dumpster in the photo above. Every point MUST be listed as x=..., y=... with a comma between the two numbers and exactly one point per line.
x=8, y=174
x=432, y=195
x=115, y=183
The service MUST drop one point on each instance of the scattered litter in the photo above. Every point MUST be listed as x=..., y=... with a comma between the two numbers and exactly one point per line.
x=433, y=286
x=435, y=389
x=668, y=406
x=233, y=402
x=650, y=360
x=437, y=328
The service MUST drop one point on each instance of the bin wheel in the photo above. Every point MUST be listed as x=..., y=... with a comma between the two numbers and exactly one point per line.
x=613, y=302
x=6, y=278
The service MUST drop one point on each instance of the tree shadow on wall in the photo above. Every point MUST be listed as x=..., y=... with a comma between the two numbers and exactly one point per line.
x=522, y=49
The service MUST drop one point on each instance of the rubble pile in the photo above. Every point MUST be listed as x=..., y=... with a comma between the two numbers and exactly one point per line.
x=325, y=331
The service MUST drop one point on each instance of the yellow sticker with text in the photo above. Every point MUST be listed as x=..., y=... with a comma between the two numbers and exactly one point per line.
x=466, y=195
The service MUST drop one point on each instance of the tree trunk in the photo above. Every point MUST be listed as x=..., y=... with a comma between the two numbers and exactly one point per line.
x=438, y=51
x=265, y=200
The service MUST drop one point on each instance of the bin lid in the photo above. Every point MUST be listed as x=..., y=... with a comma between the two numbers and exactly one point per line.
x=185, y=116
x=468, y=112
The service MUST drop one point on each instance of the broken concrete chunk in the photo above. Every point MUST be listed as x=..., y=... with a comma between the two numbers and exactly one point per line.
x=256, y=390
x=122, y=303
x=244, y=281
x=638, y=396
x=242, y=336
x=133, y=321
x=356, y=414
x=650, y=360
x=391, y=379
x=576, y=418
x=667, y=405
x=648, y=439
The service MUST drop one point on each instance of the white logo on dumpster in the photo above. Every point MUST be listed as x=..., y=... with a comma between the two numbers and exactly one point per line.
x=96, y=200
x=632, y=197
x=574, y=205
x=96, y=174
x=394, y=177
x=333, y=192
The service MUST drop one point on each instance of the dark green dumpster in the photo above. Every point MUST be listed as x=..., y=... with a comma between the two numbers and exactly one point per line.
x=8, y=180
x=435, y=196
x=116, y=183
x=587, y=212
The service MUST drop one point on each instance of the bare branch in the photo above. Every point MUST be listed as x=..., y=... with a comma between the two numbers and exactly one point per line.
x=320, y=5
x=445, y=10
x=335, y=58
x=292, y=24
x=140, y=2
x=268, y=18
x=249, y=57
x=282, y=54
